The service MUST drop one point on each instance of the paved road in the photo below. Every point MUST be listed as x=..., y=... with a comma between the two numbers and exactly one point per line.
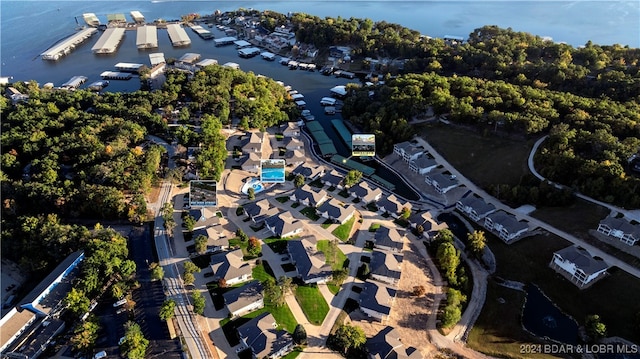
x=630, y=215
x=533, y=222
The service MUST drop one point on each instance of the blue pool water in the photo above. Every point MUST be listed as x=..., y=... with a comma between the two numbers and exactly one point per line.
x=272, y=175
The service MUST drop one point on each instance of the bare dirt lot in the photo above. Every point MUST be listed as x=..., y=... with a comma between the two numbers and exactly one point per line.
x=409, y=313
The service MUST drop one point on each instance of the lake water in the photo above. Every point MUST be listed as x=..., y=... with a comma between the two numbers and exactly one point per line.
x=541, y=317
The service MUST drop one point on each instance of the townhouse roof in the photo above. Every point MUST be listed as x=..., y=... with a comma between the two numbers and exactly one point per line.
x=204, y=216
x=424, y=162
x=582, y=259
x=261, y=335
x=283, y=223
x=253, y=159
x=293, y=142
x=309, y=262
x=404, y=145
x=444, y=180
x=241, y=297
x=334, y=177
x=388, y=345
x=307, y=170
x=508, y=221
x=392, y=204
x=386, y=264
x=307, y=193
x=622, y=225
x=389, y=237
x=377, y=297
x=337, y=210
x=259, y=210
x=229, y=265
x=477, y=204
x=426, y=220
x=365, y=191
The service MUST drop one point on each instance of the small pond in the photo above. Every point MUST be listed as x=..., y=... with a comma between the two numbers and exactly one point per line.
x=542, y=318
x=456, y=226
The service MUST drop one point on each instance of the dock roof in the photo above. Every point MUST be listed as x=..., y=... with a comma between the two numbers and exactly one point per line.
x=189, y=57
x=177, y=35
x=147, y=37
x=366, y=170
x=156, y=58
x=137, y=16
x=58, y=49
x=109, y=41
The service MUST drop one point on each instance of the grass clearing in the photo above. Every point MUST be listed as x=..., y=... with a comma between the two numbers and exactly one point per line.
x=344, y=230
x=312, y=303
x=310, y=213
x=261, y=274
x=237, y=242
x=577, y=218
x=474, y=155
x=333, y=255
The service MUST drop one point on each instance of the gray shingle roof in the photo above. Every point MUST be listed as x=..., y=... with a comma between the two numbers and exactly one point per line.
x=365, y=191
x=262, y=336
x=477, y=204
x=386, y=264
x=377, y=297
x=307, y=193
x=283, y=223
x=389, y=237
x=241, y=297
x=229, y=265
x=308, y=171
x=334, y=177
x=309, y=263
x=392, y=204
x=336, y=210
x=582, y=259
x=387, y=345
x=622, y=225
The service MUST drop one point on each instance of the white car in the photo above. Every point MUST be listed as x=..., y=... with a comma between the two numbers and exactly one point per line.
x=100, y=355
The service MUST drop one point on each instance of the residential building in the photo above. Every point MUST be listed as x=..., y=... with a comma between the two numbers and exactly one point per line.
x=442, y=183
x=365, y=192
x=283, y=225
x=205, y=217
x=336, y=211
x=258, y=211
x=389, y=239
x=251, y=162
x=376, y=300
x=423, y=164
x=262, y=337
x=577, y=265
x=430, y=225
x=333, y=179
x=386, y=266
x=245, y=299
x=231, y=267
x=293, y=143
x=309, y=196
x=505, y=225
x=388, y=345
x=392, y=205
x=310, y=172
x=295, y=157
x=254, y=143
x=310, y=263
x=619, y=228
x=291, y=129
x=402, y=147
x=475, y=207
x=216, y=241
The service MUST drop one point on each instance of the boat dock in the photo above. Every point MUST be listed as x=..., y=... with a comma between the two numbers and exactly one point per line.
x=325, y=144
x=343, y=131
x=223, y=41
x=231, y=65
x=240, y=44
x=147, y=37
x=67, y=45
x=269, y=56
x=137, y=17
x=98, y=85
x=189, y=58
x=109, y=41
x=351, y=164
x=156, y=58
x=248, y=52
x=74, y=82
x=128, y=67
x=202, y=32
x=114, y=75
x=178, y=36
x=91, y=19
x=207, y=62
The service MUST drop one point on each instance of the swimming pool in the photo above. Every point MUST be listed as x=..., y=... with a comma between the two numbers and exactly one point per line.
x=253, y=183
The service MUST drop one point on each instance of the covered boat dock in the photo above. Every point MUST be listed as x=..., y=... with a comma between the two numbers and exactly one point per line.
x=325, y=144
x=202, y=32
x=345, y=162
x=114, y=75
x=109, y=41
x=137, y=17
x=74, y=82
x=156, y=58
x=177, y=35
x=147, y=37
x=128, y=67
x=343, y=131
x=225, y=41
x=65, y=46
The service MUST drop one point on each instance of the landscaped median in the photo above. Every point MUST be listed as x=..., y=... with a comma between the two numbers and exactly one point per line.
x=312, y=303
x=338, y=262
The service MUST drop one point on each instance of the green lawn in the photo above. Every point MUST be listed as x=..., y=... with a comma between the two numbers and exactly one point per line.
x=312, y=302
x=326, y=224
x=237, y=242
x=344, y=230
x=374, y=227
x=577, y=218
x=276, y=244
x=260, y=273
x=310, y=212
x=295, y=205
x=335, y=258
x=294, y=354
x=474, y=155
x=282, y=199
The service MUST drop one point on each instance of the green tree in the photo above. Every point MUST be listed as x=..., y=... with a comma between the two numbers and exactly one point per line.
x=349, y=336
x=300, y=335
x=198, y=302
x=254, y=247
x=85, y=335
x=189, y=222
x=167, y=310
x=77, y=302
x=595, y=328
x=273, y=293
x=167, y=211
x=298, y=180
x=251, y=193
x=477, y=241
x=240, y=234
x=135, y=344
x=406, y=213
x=188, y=278
x=157, y=273
x=286, y=283
x=200, y=244
x=448, y=259
x=353, y=177
x=450, y=316
x=190, y=267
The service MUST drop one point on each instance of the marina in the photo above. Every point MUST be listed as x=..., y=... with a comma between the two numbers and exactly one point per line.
x=91, y=19
x=223, y=41
x=98, y=85
x=74, y=82
x=137, y=17
x=128, y=67
x=109, y=41
x=178, y=36
x=67, y=45
x=147, y=37
x=207, y=62
x=202, y=32
x=248, y=52
x=189, y=58
x=269, y=56
x=115, y=75
x=156, y=58
x=241, y=44
x=231, y=65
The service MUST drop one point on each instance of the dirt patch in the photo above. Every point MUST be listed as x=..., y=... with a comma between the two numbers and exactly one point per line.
x=153, y=195
x=409, y=313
